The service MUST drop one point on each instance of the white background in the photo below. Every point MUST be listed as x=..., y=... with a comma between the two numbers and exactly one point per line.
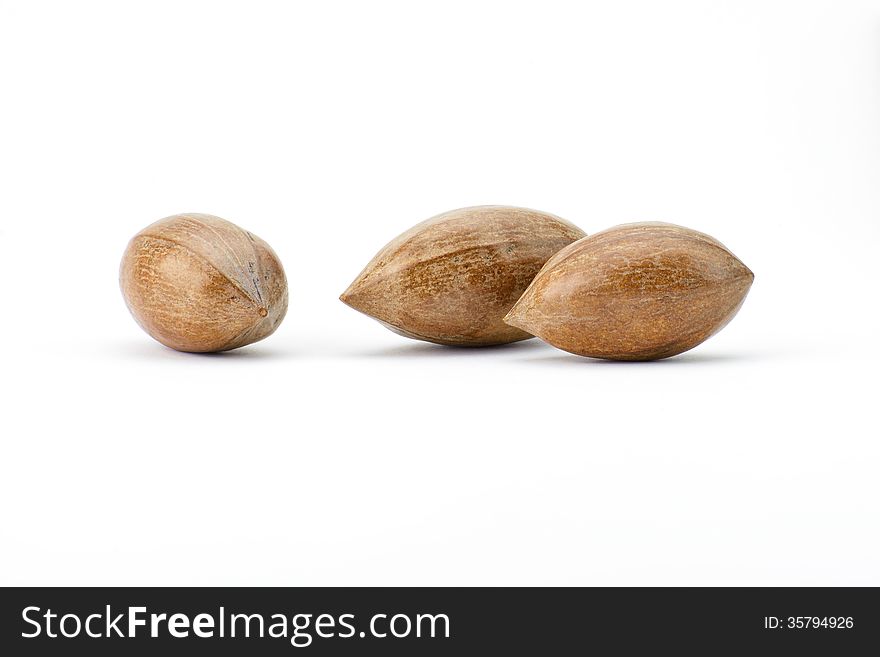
x=336, y=452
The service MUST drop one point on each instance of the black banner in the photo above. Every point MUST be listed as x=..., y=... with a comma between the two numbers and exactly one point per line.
x=445, y=621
